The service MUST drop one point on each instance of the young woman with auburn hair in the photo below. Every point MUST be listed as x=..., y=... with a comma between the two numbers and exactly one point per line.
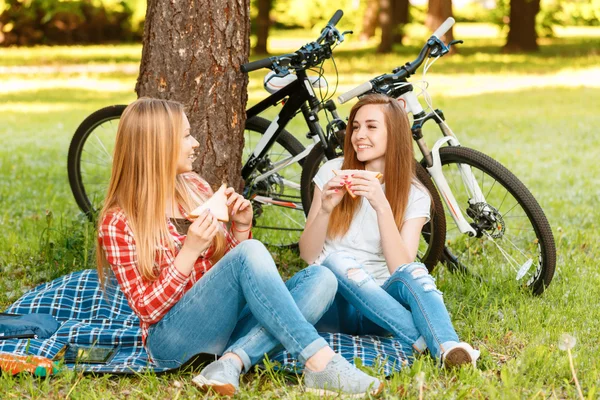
x=200, y=286
x=370, y=242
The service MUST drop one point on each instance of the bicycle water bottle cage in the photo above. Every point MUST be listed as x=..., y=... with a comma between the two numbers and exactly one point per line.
x=277, y=81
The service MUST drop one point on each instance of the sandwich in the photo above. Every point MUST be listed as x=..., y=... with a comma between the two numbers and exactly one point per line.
x=350, y=172
x=217, y=205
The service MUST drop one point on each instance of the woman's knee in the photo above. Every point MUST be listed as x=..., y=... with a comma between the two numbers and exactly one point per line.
x=255, y=256
x=346, y=268
x=326, y=283
x=417, y=273
x=252, y=246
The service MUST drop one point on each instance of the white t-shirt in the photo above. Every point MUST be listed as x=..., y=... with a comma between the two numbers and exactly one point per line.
x=363, y=240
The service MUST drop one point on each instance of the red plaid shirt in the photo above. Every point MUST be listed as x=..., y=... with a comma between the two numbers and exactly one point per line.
x=151, y=300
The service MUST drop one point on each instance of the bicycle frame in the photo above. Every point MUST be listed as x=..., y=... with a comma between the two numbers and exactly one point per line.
x=301, y=96
x=434, y=165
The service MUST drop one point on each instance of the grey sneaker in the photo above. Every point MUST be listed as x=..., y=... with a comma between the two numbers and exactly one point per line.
x=222, y=376
x=339, y=376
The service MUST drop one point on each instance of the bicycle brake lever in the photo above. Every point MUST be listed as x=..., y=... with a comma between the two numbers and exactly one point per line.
x=455, y=42
x=343, y=34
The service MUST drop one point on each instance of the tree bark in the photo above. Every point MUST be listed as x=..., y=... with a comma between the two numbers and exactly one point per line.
x=400, y=17
x=192, y=52
x=437, y=13
x=522, y=36
x=263, y=22
x=370, y=20
x=385, y=22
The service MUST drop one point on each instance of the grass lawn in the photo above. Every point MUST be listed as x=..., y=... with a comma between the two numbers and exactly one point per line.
x=536, y=114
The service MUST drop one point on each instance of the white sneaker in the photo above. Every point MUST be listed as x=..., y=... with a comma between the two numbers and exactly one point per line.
x=457, y=354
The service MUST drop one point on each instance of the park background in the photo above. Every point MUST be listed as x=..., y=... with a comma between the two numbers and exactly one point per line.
x=536, y=111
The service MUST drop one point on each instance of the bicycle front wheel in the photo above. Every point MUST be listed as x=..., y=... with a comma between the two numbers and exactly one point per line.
x=514, y=242
x=89, y=161
x=274, y=187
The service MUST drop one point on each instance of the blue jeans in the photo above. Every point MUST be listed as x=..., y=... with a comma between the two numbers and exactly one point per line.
x=408, y=306
x=241, y=305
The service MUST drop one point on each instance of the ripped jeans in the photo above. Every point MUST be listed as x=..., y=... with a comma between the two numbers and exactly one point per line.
x=408, y=306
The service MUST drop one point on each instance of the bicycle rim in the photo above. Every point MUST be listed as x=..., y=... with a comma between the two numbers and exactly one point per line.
x=514, y=245
x=278, y=215
x=90, y=158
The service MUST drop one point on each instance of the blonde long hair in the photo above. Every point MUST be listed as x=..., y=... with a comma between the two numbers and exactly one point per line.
x=399, y=163
x=143, y=178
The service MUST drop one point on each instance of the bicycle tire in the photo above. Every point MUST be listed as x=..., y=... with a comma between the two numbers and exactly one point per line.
x=76, y=150
x=275, y=225
x=477, y=256
x=432, y=247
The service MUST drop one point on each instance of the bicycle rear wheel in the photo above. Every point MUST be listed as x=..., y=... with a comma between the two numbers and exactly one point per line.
x=278, y=216
x=276, y=199
x=89, y=160
x=431, y=245
x=514, y=242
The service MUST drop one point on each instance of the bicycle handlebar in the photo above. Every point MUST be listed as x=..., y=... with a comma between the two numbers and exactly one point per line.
x=357, y=91
x=336, y=18
x=444, y=27
x=258, y=64
x=403, y=72
x=308, y=55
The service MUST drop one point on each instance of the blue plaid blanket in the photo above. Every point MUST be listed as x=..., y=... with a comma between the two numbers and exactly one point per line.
x=89, y=318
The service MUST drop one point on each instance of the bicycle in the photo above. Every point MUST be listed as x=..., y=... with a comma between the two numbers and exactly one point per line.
x=490, y=231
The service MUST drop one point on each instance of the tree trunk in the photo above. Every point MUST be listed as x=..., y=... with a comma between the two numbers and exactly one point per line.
x=522, y=35
x=438, y=12
x=385, y=22
x=400, y=17
x=263, y=22
x=192, y=52
x=370, y=20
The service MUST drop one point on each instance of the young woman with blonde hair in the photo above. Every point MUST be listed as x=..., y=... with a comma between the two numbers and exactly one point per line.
x=199, y=286
x=370, y=242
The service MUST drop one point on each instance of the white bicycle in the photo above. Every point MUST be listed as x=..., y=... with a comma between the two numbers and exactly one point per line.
x=499, y=230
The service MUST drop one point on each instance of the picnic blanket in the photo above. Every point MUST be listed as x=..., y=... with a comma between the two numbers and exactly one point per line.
x=88, y=317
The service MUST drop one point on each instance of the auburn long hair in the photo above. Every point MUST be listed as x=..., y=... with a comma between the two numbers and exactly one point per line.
x=399, y=171
x=143, y=178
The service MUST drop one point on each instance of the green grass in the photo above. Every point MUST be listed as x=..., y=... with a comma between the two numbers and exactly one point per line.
x=536, y=114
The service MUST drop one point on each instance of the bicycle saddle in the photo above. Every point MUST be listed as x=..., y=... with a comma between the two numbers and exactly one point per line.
x=272, y=83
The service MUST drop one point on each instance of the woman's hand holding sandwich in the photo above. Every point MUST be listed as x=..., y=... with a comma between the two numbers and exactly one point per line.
x=239, y=209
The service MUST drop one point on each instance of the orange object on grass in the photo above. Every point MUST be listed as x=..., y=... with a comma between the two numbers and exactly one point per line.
x=37, y=365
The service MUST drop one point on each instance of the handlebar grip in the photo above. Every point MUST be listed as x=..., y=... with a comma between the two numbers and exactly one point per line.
x=357, y=91
x=258, y=64
x=444, y=27
x=336, y=18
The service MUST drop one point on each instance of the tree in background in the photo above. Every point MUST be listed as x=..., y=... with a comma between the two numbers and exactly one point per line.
x=192, y=53
x=400, y=17
x=522, y=34
x=437, y=13
x=370, y=20
x=393, y=14
x=263, y=22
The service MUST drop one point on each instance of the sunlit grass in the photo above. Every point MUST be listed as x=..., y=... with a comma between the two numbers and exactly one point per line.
x=536, y=114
